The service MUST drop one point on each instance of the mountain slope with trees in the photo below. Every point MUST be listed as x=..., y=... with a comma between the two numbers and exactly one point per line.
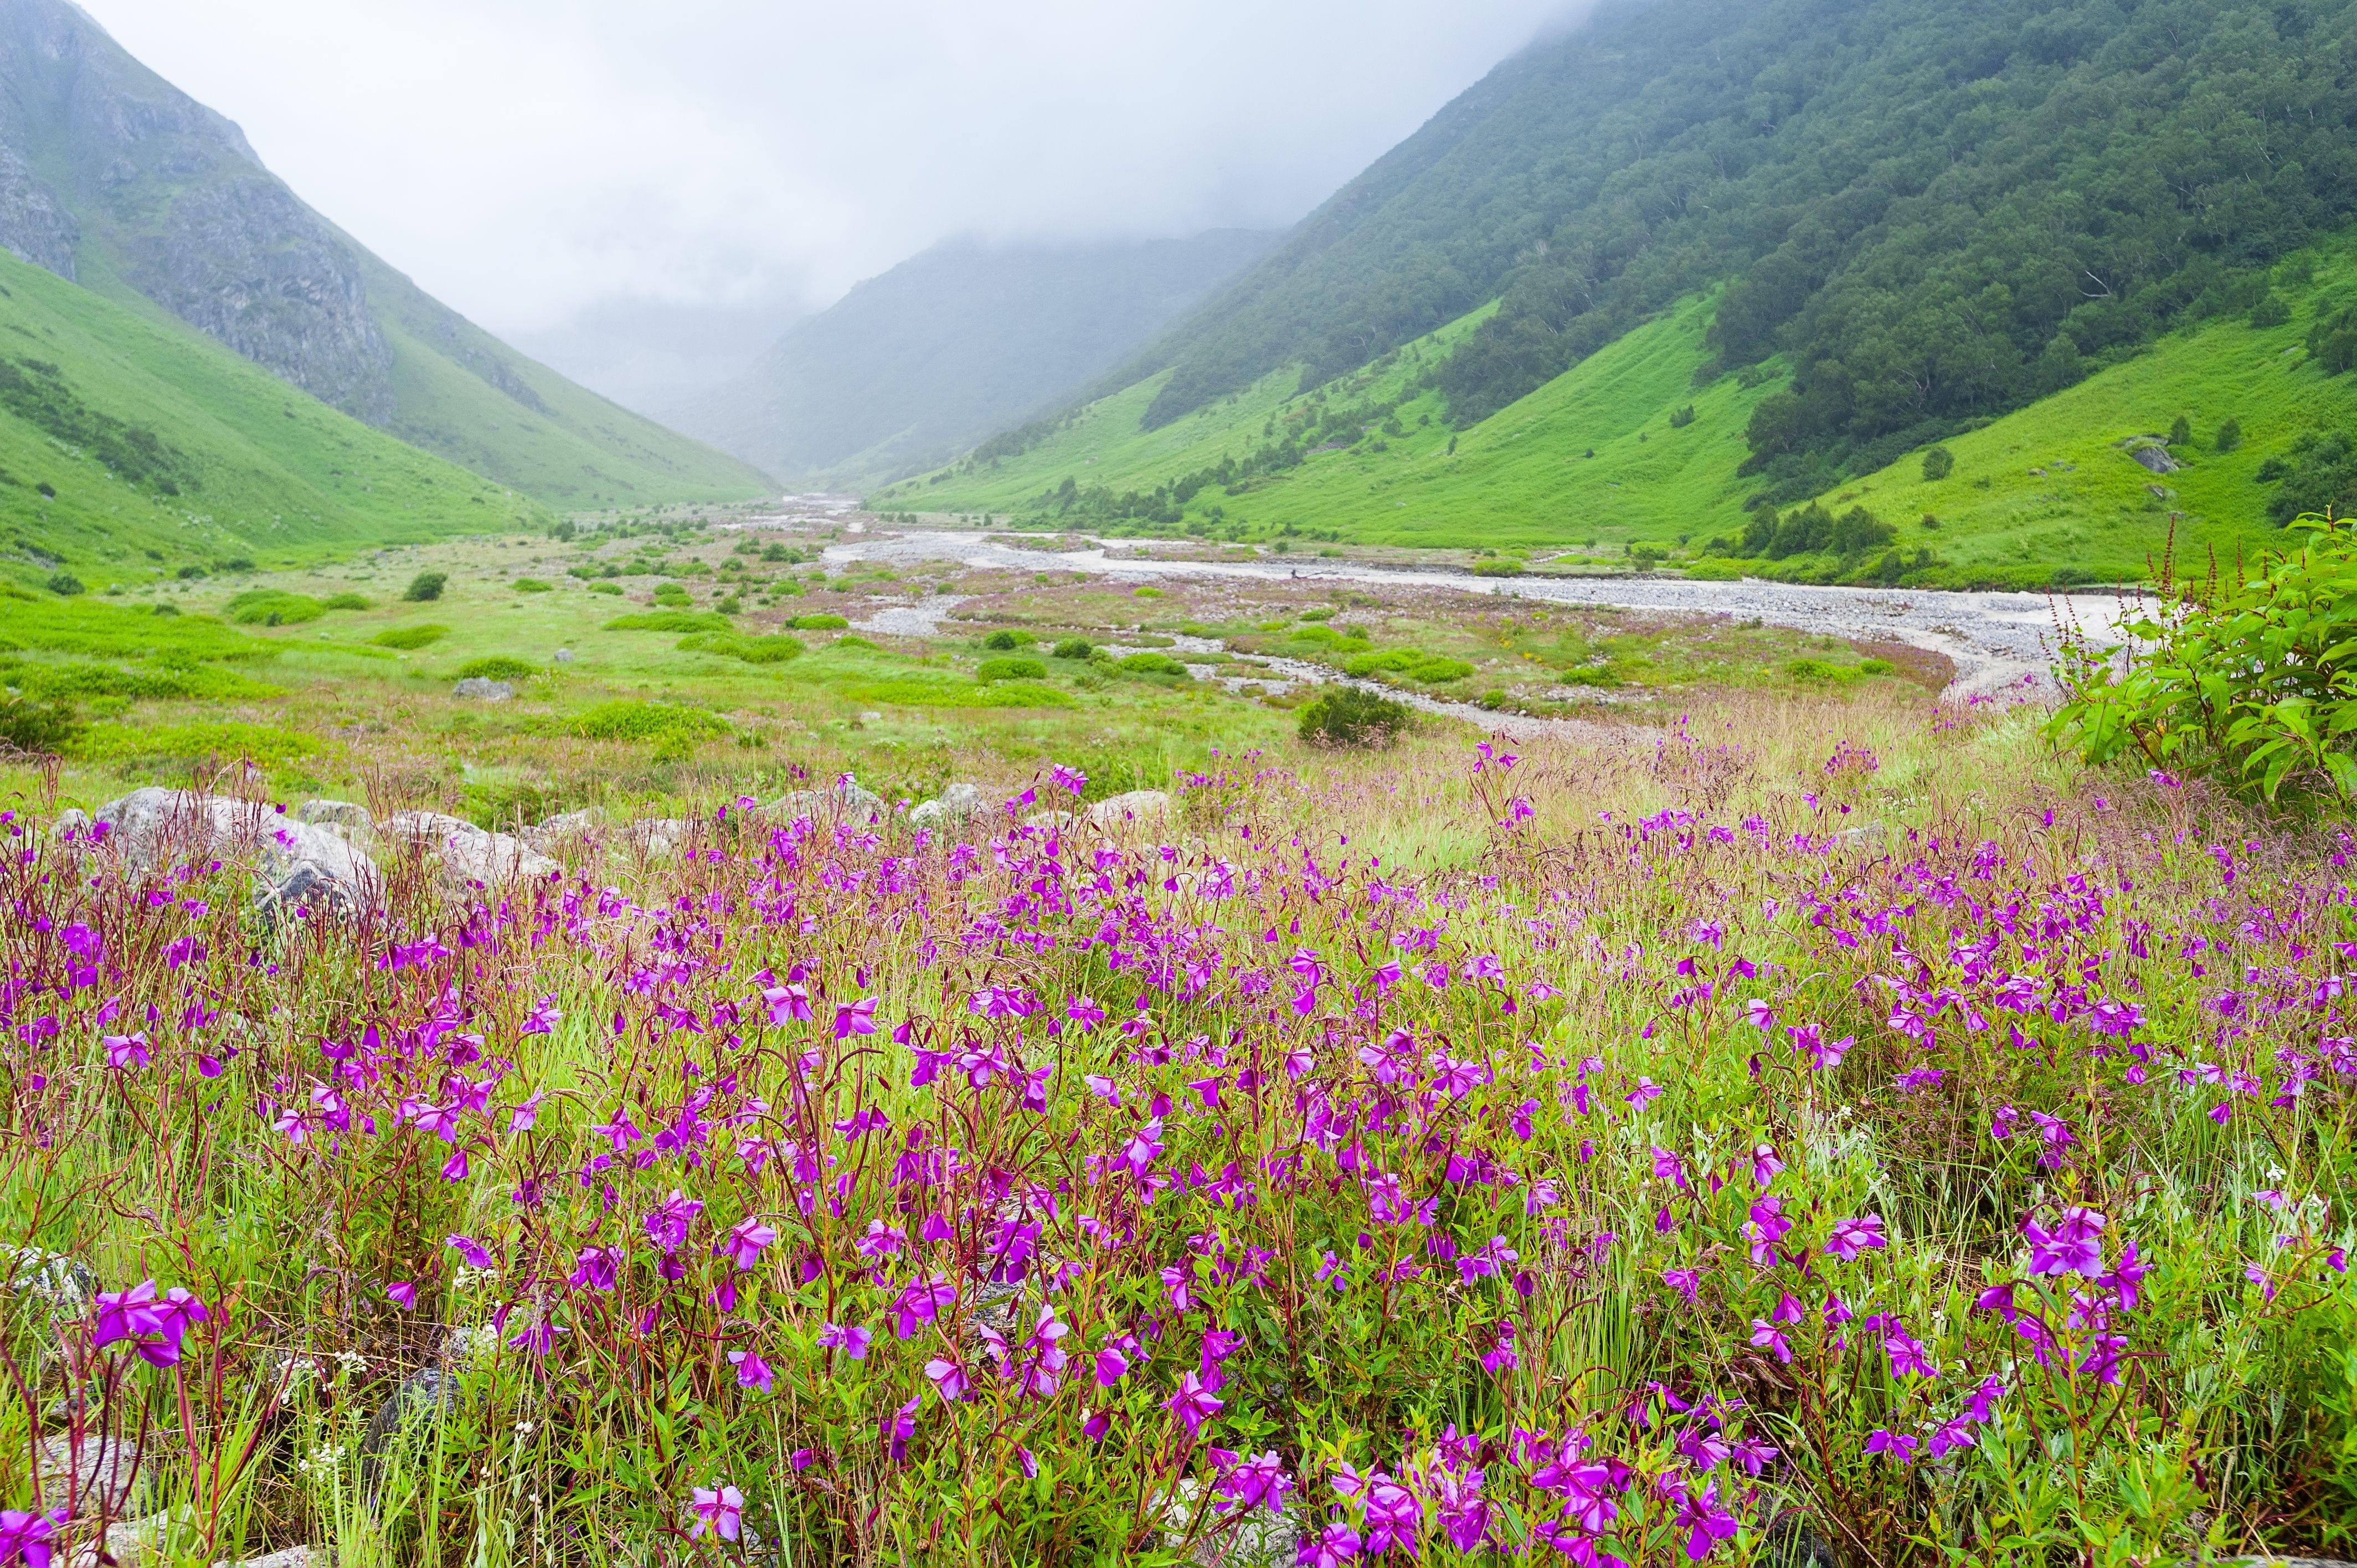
x=112, y=178
x=952, y=345
x=1934, y=211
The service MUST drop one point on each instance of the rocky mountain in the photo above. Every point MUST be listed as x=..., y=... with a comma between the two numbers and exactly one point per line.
x=114, y=179
x=953, y=344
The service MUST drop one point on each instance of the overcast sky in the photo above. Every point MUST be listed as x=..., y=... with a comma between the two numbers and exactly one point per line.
x=526, y=160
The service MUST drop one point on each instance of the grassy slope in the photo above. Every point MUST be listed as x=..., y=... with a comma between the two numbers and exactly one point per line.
x=584, y=452
x=282, y=476
x=2040, y=489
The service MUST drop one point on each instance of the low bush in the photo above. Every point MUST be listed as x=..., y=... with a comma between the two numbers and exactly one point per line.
x=818, y=623
x=1011, y=670
x=409, y=639
x=1347, y=716
x=344, y=602
x=42, y=728
x=1073, y=648
x=638, y=721
x=497, y=667
x=426, y=588
x=272, y=606
x=2252, y=685
x=532, y=586
x=672, y=621
x=1156, y=664
x=777, y=649
x=1005, y=640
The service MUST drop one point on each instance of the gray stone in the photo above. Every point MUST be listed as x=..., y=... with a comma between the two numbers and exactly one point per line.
x=417, y=1398
x=846, y=801
x=1138, y=805
x=1253, y=1539
x=286, y=1557
x=73, y=822
x=2151, y=454
x=310, y=864
x=63, y=1285
x=477, y=688
x=96, y=1474
x=563, y=656
x=468, y=854
x=657, y=836
x=565, y=827
x=347, y=814
x=955, y=807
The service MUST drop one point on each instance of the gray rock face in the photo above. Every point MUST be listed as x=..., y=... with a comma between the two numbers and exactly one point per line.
x=2151, y=455
x=468, y=854
x=658, y=836
x=1137, y=806
x=476, y=688
x=958, y=806
x=34, y=226
x=298, y=863
x=563, y=656
x=243, y=260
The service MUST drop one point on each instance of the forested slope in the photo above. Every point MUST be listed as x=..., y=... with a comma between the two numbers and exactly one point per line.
x=1938, y=212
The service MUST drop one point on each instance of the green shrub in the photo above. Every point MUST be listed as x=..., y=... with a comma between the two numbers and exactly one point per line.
x=424, y=587
x=2252, y=687
x=1073, y=648
x=1714, y=571
x=2230, y=435
x=42, y=728
x=1014, y=670
x=1323, y=612
x=644, y=721
x=410, y=638
x=1819, y=671
x=2180, y=433
x=1383, y=661
x=1006, y=642
x=497, y=667
x=66, y=585
x=1349, y=717
x=818, y=623
x=671, y=620
x=1938, y=463
x=1438, y=671
x=1506, y=567
x=1876, y=667
x=344, y=602
x=613, y=589
x=272, y=607
x=1150, y=593
x=1156, y=664
x=672, y=593
x=532, y=586
x=776, y=650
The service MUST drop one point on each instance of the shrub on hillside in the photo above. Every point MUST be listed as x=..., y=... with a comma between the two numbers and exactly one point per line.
x=1011, y=670
x=532, y=586
x=1347, y=716
x=272, y=607
x=426, y=588
x=43, y=728
x=644, y=721
x=344, y=602
x=671, y=620
x=66, y=585
x=2230, y=436
x=818, y=623
x=497, y=667
x=410, y=638
x=776, y=650
x=1156, y=664
x=1938, y=463
x=1073, y=648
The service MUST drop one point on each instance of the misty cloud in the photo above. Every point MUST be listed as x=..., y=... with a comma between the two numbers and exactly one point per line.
x=531, y=161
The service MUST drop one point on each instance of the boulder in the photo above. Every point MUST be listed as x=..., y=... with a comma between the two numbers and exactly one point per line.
x=418, y=1397
x=845, y=800
x=298, y=864
x=349, y=815
x=468, y=854
x=565, y=827
x=657, y=836
x=563, y=656
x=481, y=689
x=1137, y=806
x=955, y=807
x=2150, y=453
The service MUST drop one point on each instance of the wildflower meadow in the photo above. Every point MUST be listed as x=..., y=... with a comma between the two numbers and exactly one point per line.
x=1755, y=1144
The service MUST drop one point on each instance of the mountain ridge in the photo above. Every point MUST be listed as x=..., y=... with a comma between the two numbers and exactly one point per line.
x=115, y=179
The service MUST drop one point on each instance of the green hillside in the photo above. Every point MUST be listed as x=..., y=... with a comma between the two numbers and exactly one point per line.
x=131, y=448
x=112, y=178
x=1625, y=447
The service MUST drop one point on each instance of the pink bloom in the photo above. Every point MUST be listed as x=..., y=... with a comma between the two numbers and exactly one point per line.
x=949, y=1379
x=467, y=1249
x=718, y=1511
x=1851, y=1237
x=752, y=1373
x=857, y=1019
x=404, y=1295
x=1193, y=1403
x=743, y=1244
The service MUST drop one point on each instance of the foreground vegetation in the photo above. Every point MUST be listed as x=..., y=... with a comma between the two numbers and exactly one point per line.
x=1798, y=1118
